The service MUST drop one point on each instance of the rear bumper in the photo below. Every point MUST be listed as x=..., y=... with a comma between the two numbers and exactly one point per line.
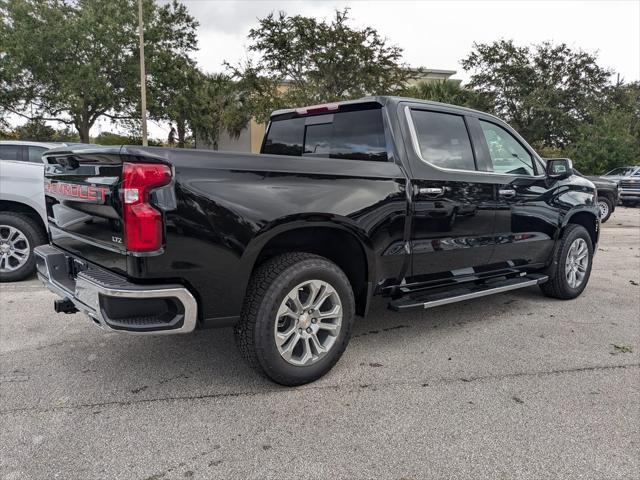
x=111, y=301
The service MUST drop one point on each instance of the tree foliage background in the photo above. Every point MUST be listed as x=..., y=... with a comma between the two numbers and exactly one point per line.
x=76, y=61
x=305, y=61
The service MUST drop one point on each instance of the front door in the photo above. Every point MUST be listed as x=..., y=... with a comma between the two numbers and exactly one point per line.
x=526, y=218
x=453, y=207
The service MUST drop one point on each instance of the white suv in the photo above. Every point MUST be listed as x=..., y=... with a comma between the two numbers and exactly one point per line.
x=22, y=211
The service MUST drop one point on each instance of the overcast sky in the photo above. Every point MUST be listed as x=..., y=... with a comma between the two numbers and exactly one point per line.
x=437, y=34
x=433, y=34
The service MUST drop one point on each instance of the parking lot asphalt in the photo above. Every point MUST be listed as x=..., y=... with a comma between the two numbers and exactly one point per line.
x=505, y=387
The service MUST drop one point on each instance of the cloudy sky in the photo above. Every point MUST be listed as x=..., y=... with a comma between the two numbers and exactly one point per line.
x=435, y=34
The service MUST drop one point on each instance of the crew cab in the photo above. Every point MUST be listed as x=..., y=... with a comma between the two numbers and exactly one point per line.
x=420, y=202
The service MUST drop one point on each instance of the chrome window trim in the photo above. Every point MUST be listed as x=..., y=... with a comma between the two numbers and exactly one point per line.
x=416, y=148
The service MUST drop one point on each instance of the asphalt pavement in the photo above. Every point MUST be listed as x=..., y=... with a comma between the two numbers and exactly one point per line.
x=513, y=386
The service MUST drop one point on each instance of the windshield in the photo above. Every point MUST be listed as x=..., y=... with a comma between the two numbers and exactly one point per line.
x=623, y=171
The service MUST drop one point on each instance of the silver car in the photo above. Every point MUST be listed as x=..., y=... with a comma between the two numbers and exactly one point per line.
x=22, y=211
x=628, y=179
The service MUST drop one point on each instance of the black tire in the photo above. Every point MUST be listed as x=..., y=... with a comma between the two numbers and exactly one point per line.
x=268, y=286
x=558, y=285
x=609, y=208
x=35, y=236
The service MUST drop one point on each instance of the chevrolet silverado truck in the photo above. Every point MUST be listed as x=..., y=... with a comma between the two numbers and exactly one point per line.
x=420, y=202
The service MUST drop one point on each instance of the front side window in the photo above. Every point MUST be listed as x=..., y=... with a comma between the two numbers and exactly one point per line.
x=11, y=152
x=351, y=135
x=443, y=139
x=507, y=154
x=35, y=154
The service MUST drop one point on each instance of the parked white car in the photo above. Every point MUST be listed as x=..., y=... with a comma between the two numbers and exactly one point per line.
x=22, y=210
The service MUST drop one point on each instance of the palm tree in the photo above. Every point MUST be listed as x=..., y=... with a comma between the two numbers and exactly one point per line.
x=446, y=91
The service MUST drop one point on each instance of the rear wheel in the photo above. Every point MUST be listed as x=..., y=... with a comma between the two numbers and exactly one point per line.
x=605, y=206
x=19, y=235
x=297, y=318
x=571, y=267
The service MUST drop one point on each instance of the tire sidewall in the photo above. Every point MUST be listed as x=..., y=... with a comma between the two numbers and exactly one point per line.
x=609, y=208
x=576, y=233
x=267, y=352
x=28, y=227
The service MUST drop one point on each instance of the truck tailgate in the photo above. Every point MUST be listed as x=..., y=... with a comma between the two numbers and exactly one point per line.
x=99, y=204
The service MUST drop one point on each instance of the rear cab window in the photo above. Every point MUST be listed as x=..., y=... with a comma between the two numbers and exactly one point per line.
x=349, y=135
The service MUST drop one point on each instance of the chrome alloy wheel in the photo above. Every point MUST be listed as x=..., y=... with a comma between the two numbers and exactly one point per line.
x=604, y=209
x=14, y=249
x=308, y=322
x=577, y=263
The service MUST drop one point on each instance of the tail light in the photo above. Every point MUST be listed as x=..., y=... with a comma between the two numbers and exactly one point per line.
x=143, y=225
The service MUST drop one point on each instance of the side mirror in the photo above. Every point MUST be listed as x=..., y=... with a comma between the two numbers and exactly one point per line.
x=559, y=168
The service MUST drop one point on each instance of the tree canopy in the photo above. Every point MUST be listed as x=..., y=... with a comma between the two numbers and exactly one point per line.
x=545, y=91
x=74, y=61
x=304, y=61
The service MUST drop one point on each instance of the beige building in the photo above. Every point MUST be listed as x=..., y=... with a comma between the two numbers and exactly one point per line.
x=250, y=139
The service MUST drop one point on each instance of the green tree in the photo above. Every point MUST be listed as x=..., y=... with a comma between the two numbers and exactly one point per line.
x=198, y=104
x=318, y=61
x=36, y=130
x=546, y=91
x=612, y=137
x=447, y=91
x=74, y=61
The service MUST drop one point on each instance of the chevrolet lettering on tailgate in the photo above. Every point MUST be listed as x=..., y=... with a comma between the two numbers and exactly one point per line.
x=86, y=193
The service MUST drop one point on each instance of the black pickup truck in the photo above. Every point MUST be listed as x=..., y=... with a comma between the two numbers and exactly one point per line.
x=420, y=202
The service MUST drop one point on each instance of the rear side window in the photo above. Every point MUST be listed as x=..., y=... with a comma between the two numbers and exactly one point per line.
x=443, y=139
x=11, y=152
x=35, y=154
x=355, y=135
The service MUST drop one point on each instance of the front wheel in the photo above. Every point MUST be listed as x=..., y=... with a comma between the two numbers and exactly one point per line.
x=296, y=319
x=571, y=266
x=606, y=207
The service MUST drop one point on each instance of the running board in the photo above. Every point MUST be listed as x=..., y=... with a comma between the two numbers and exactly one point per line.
x=435, y=299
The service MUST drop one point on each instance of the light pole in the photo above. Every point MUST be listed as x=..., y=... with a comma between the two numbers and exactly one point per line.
x=143, y=77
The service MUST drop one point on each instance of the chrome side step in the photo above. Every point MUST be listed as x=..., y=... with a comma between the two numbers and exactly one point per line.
x=432, y=299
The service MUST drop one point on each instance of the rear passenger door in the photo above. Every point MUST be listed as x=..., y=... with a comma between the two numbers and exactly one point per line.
x=453, y=203
x=350, y=147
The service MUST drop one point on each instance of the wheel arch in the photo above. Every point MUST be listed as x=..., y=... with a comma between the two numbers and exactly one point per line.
x=19, y=207
x=589, y=220
x=344, y=246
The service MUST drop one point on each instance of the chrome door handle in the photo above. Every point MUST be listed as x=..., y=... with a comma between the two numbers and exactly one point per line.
x=507, y=193
x=431, y=191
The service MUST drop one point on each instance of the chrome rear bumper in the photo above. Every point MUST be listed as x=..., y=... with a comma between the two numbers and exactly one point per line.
x=111, y=301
